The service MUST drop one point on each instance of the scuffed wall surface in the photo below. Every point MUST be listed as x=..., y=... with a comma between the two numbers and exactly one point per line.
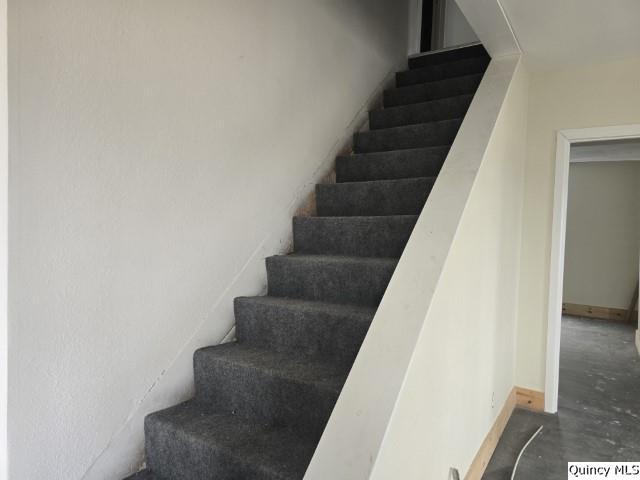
x=158, y=151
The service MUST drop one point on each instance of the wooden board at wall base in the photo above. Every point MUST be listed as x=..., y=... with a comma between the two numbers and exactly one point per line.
x=519, y=397
x=529, y=399
x=591, y=311
x=482, y=458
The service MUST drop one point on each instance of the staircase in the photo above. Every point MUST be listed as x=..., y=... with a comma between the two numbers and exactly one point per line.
x=262, y=402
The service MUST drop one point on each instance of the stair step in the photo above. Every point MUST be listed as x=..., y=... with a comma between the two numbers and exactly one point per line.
x=143, y=475
x=430, y=73
x=333, y=279
x=392, y=165
x=442, y=109
x=268, y=387
x=190, y=442
x=425, y=92
x=447, y=56
x=376, y=198
x=357, y=236
x=317, y=329
x=423, y=135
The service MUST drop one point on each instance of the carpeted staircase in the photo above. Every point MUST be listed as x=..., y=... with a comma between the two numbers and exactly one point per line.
x=262, y=402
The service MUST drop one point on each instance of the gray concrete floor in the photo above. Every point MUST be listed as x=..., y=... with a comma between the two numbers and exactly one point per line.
x=599, y=408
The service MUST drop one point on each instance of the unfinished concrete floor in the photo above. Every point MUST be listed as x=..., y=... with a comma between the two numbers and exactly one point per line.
x=599, y=408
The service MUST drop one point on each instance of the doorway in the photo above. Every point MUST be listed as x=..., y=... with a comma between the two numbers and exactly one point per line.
x=567, y=139
x=427, y=25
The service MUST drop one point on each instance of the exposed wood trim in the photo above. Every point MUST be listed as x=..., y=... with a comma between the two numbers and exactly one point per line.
x=593, y=311
x=565, y=138
x=529, y=399
x=482, y=458
x=519, y=397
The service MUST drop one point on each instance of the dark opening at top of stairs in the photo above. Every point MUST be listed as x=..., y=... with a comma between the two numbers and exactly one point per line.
x=262, y=402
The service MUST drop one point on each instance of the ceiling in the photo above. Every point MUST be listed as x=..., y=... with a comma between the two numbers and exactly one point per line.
x=611, y=151
x=556, y=33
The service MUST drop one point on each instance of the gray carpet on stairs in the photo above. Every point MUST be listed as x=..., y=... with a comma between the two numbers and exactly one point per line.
x=262, y=402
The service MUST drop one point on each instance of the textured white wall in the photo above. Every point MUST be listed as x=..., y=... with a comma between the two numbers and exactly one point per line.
x=158, y=151
x=599, y=95
x=603, y=234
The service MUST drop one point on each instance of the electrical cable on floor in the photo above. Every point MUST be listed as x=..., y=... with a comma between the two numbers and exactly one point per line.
x=515, y=467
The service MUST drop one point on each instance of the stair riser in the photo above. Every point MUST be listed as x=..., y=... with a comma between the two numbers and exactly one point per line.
x=262, y=396
x=448, y=108
x=314, y=333
x=432, y=91
x=413, y=136
x=399, y=197
x=447, y=56
x=443, y=71
x=391, y=165
x=173, y=456
x=358, y=284
x=355, y=236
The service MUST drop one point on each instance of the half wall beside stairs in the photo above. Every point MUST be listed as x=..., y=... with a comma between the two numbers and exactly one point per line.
x=437, y=364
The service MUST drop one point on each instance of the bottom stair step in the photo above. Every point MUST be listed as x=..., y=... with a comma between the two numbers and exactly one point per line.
x=143, y=475
x=187, y=442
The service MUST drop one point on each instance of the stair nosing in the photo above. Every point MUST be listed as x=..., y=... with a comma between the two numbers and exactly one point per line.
x=422, y=104
x=391, y=152
x=396, y=180
x=456, y=61
x=346, y=307
x=413, y=125
x=333, y=385
x=422, y=84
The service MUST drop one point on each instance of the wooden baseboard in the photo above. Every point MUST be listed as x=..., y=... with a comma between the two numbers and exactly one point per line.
x=592, y=311
x=519, y=397
x=482, y=458
x=529, y=399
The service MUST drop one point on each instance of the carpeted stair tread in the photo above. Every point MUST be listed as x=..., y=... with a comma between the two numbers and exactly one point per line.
x=190, y=442
x=269, y=387
x=317, y=329
x=381, y=236
x=296, y=368
x=430, y=73
x=447, y=56
x=375, y=198
x=332, y=279
x=434, y=110
x=430, y=134
x=262, y=402
x=424, y=92
x=391, y=165
x=143, y=475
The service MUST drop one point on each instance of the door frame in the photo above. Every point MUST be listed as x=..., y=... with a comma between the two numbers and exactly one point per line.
x=415, y=25
x=565, y=139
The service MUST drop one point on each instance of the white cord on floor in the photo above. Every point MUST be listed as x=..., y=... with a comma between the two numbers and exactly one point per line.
x=515, y=467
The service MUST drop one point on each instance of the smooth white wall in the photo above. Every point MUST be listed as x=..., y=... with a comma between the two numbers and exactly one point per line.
x=158, y=151
x=603, y=234
x=599, y=95
x=457, y=30
x=466, y=349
